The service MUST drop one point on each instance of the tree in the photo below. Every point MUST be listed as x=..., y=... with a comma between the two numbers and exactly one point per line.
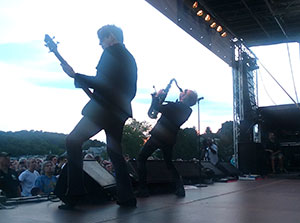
x=22, y=143
x=186, y=144
x=135, y=134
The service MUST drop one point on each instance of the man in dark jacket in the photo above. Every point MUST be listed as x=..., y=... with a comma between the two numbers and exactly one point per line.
x=163, y=137
x=110, y=106
x=9, y=183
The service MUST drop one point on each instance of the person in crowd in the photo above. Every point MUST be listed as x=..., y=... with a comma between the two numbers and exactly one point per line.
x=46, y=182
x=39, y=163
x=14, y=164
x=22, y=166
x=108, y=166
x=273, y=148
x=212, y=152
x=163, y=137
x=54, y=160
x=27, y=178
x=98, y=159
x=9, y=183
x=110, y=106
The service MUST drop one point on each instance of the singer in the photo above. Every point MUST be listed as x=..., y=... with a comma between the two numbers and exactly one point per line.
x=163, y=136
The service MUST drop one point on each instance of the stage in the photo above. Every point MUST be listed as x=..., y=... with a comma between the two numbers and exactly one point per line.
x=273, y=200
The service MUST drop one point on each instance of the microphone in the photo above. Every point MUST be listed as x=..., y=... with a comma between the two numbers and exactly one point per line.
x=201, y=98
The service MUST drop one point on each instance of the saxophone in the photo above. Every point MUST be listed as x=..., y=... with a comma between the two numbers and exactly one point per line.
x=152, y=113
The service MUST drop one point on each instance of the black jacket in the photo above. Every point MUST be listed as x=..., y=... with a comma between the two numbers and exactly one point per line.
x=174, y=114
x=114, y=84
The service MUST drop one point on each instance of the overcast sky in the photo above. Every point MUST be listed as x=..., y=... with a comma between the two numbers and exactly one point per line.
x=37, y=95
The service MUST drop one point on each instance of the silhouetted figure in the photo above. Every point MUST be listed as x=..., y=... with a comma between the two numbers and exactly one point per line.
x=163, y=137
x=272, y=146
x=114, y=88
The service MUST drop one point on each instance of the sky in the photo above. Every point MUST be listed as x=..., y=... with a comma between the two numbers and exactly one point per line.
x=35, y=93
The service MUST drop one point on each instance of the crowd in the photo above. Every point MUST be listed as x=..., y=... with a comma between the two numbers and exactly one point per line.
x=33, y=176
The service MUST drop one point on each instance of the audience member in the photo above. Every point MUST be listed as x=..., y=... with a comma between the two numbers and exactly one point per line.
x=272, y=146
x=28, y=177
x=9, y=182
x=22, y=166
x=108, y=166
x=47, y=181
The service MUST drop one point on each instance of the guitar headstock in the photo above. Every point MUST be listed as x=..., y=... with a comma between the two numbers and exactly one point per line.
x=50, y=43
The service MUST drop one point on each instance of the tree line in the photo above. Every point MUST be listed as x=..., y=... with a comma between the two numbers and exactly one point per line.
x=135, y=134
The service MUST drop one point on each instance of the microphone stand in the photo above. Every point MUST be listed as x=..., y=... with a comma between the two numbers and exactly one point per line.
x=198, y=145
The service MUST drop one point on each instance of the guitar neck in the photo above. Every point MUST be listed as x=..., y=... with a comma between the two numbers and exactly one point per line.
x=60, y=58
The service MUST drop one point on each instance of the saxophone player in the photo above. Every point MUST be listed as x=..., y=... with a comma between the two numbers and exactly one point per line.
x=163, y=137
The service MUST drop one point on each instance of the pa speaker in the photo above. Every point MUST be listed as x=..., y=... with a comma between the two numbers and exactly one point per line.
x=99, y=184
x=251, y=158
x=228, y=169
x=217, y=173
x=157, y=171
x=188, y=169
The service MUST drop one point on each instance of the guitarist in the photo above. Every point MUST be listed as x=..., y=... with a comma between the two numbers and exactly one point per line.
x=110, y=106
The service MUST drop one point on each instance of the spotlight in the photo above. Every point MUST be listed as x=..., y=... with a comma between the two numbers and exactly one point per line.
x=213, y=25
x=224, y=34
x=207, y=18
x=219, y=28
x=195, y=5
x=200, y=13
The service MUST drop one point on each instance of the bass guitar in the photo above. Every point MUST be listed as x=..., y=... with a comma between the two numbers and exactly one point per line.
x=53, y=48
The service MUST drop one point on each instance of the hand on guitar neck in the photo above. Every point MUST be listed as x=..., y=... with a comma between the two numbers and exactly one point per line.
x=68, y=69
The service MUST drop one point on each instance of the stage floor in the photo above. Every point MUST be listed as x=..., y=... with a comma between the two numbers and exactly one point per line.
x=261, y=201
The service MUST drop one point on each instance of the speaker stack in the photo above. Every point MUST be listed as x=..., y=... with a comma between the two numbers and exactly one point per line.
x=99, y=184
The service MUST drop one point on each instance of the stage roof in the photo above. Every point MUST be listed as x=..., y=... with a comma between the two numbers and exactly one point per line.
x=256, y=22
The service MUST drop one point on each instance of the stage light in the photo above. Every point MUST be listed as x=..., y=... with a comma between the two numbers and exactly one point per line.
x=224, y=34
x=219, y=28
x=195, y=5
x=200, y=13
x=207, y=18
x=213, y=25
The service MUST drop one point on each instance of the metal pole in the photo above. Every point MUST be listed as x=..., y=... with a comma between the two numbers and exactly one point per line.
x=198, y=102
x=198, y=142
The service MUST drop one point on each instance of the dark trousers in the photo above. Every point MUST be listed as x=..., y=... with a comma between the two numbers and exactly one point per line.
x=83, y=131
x=151, y=145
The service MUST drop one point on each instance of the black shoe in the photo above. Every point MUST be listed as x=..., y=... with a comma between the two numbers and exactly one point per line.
x=66, y=207
x=142, y=193
x=131, y=203
x=179, y=191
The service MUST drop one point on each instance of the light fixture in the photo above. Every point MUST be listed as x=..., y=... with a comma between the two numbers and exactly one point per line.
x=207, y=18
x=224, y=34
x=213, y=25
x=195, y=5
x=200, y=12
x=219, y=28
